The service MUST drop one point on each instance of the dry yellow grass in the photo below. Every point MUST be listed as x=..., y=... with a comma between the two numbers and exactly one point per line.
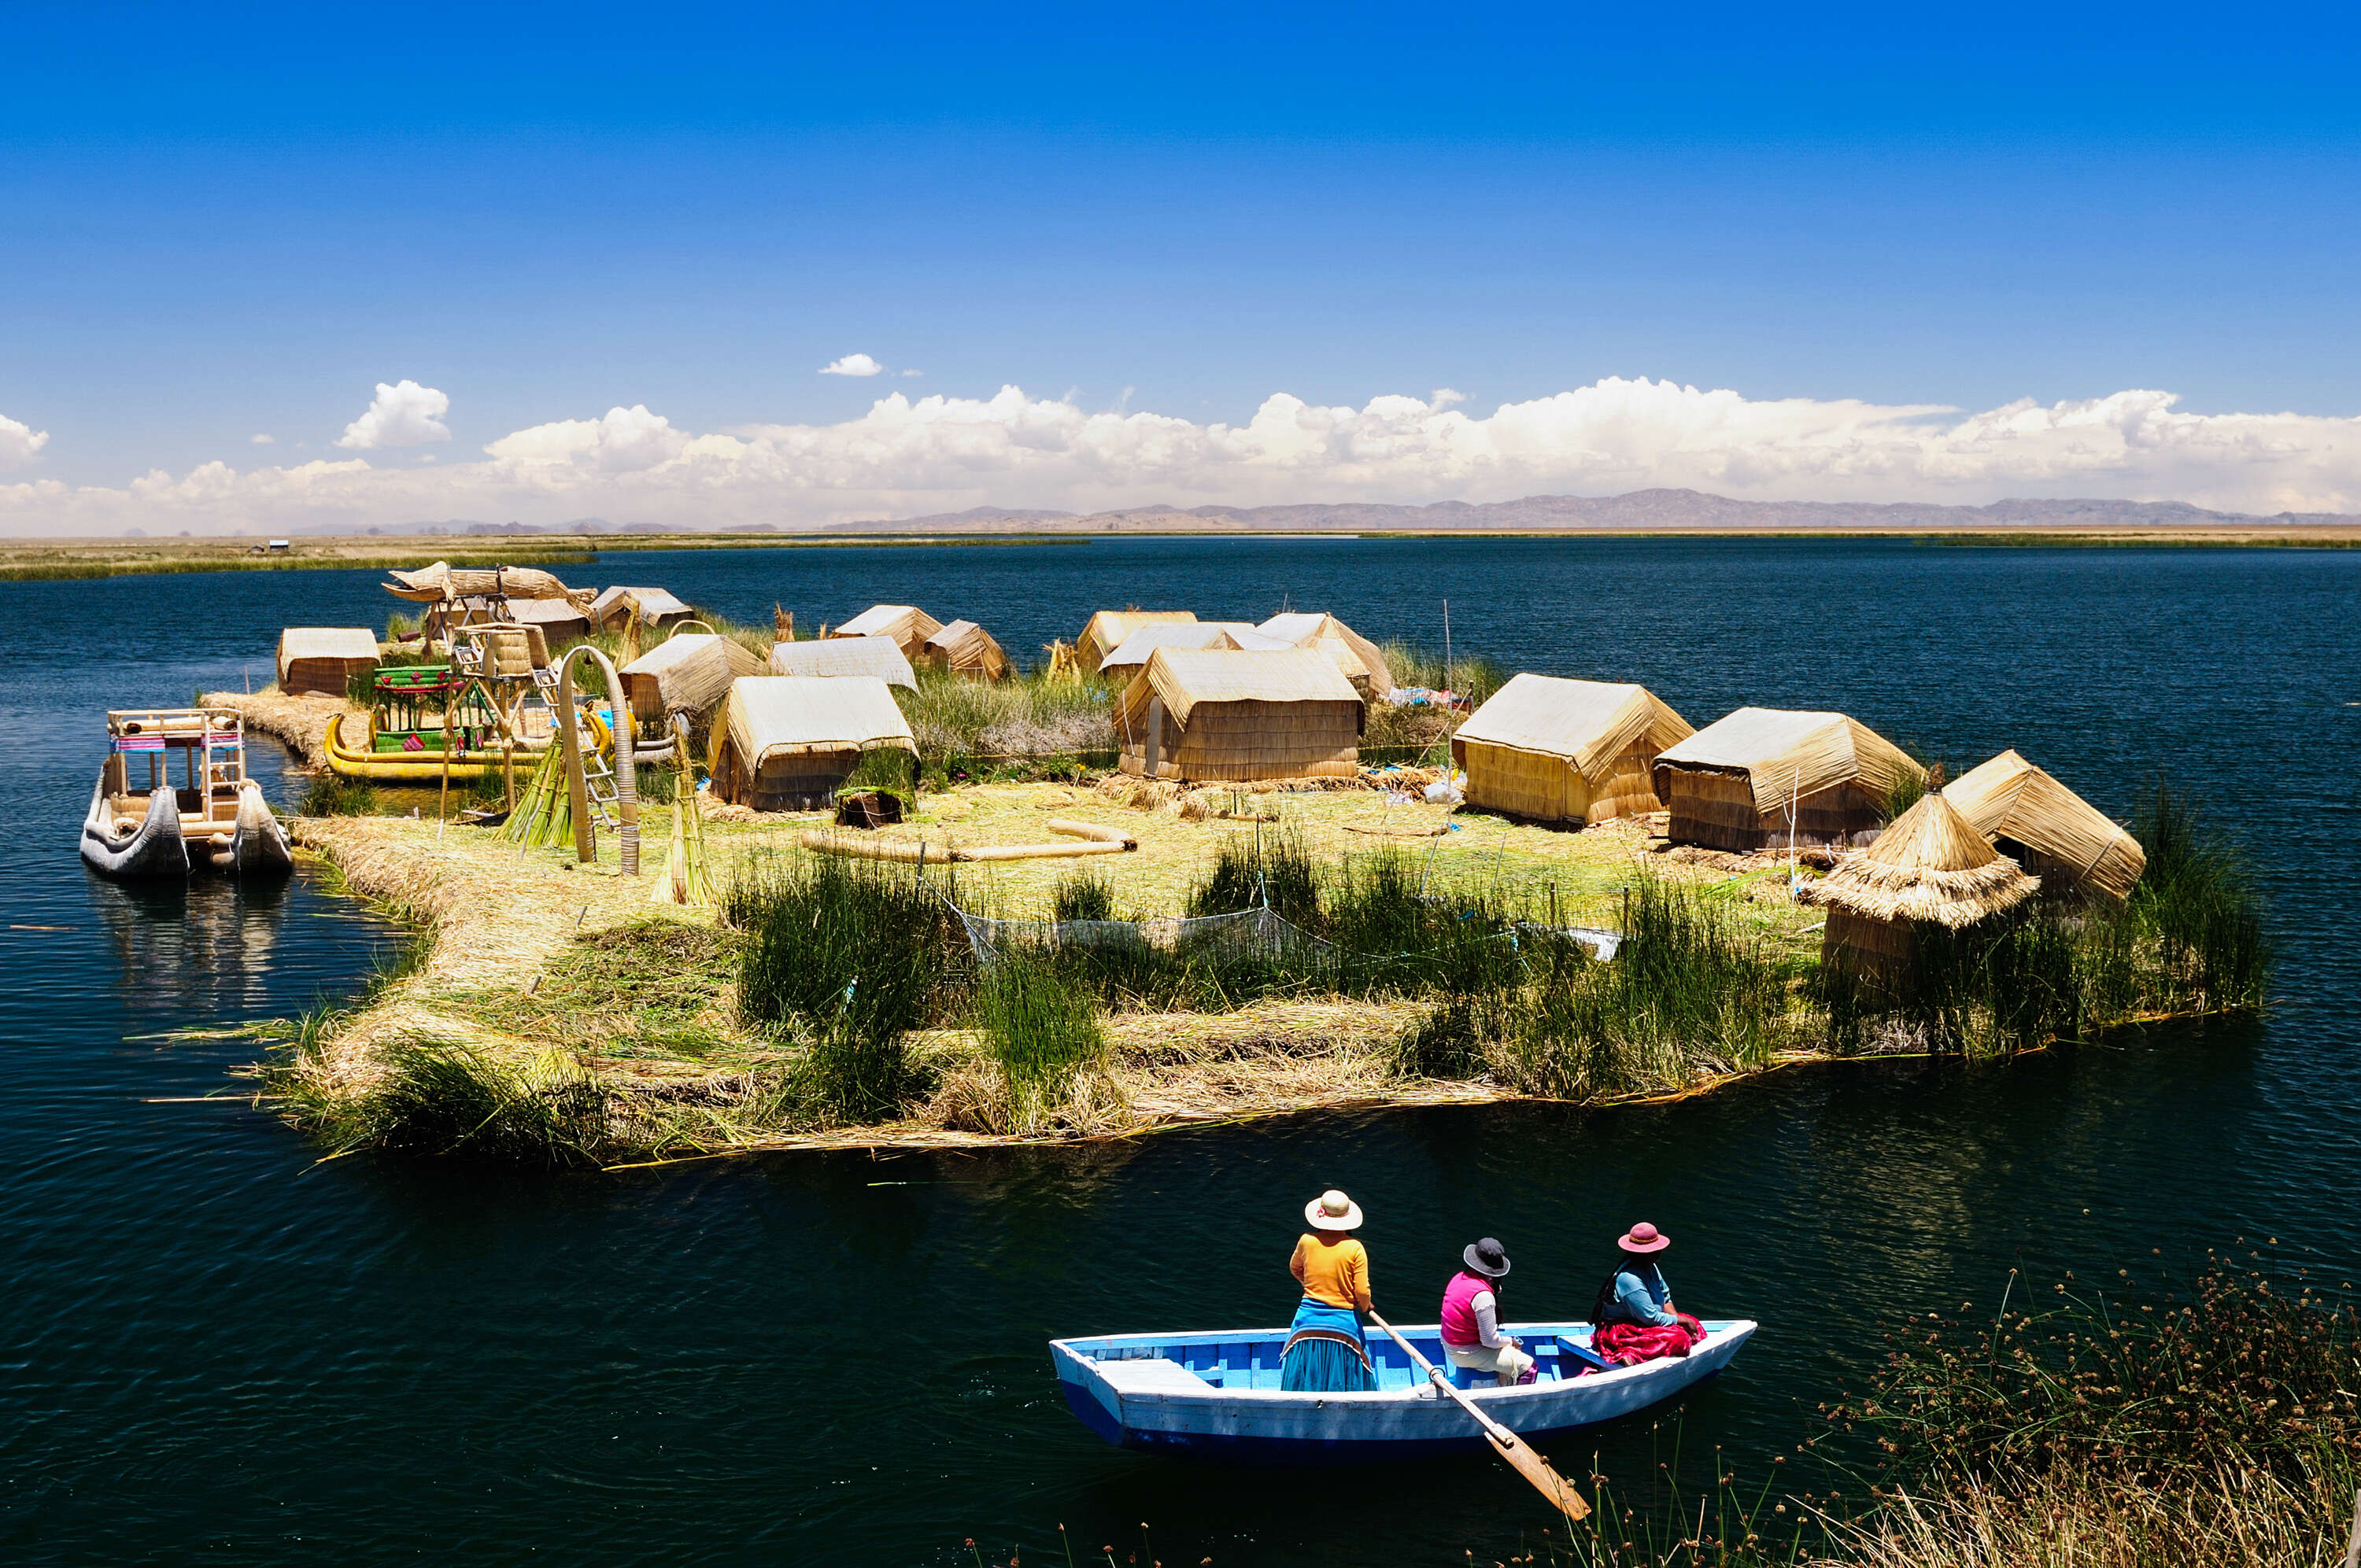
x=500, y=916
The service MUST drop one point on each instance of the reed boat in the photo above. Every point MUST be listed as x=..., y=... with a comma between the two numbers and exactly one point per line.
x=216, y=819
x=1216, y=1395
x=401, y=738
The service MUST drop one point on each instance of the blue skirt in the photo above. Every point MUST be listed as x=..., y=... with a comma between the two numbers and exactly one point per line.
x=1325, y=1353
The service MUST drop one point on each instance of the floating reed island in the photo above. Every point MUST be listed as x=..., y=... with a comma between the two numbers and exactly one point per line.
x=892, y=898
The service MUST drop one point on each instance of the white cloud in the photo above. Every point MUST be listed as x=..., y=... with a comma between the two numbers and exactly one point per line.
x=851, y=365
x=405, y=414
x=265, y=439
x=906, y=456
x=19, y=442
x=914, y=372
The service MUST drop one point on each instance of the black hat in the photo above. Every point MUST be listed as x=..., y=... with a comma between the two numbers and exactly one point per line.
x=1487, y=1258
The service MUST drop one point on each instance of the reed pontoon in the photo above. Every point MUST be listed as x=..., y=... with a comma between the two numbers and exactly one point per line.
x=1216, y=1395
x=214, y=819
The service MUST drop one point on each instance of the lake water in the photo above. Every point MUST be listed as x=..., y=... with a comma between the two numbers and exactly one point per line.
x=215, y=1345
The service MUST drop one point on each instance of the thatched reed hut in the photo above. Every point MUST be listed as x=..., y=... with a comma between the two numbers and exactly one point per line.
x=1352, y=652
x=1130, y=656
x=964, y=648
x=560, y=621
x=906, y=624
x=1220, y=715
x=655, y=606
x=2048, y=828
x=787, y=742
x=1930, y=867
x=1766, y=777
x=878, y=656
x=689, y=671
x=1108, y=627
x=323, y=659
x=1564, y=750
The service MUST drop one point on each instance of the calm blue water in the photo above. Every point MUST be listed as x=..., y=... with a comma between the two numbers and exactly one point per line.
x=215, y=1346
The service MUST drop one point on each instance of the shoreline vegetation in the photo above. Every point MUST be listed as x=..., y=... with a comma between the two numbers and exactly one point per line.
x=1326, y=944
x=51, y=560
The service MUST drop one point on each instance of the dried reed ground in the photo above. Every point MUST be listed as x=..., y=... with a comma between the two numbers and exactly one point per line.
x=505, y=923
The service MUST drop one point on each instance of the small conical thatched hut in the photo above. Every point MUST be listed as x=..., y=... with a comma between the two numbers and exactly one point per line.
x=2048, y=828
x=786, y=742
x=1224, y=716
x=879, y=656
x=964, y=648
x=906, y=624
x=688, y=672
x=1108, y=627
x=655, y=606
x=1353, y=653
x=1561, y=750
x=324, y=658
x=1929, y=868
x=1738, y=783
x=1130, y=656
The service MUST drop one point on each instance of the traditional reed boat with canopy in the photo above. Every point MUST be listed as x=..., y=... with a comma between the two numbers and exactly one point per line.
x=143, y=824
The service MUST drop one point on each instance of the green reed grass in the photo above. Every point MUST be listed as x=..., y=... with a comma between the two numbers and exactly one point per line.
x=1042, y=1029
x=852, y=955
x=332, y=794
x=1085, y=895
x=973, y=724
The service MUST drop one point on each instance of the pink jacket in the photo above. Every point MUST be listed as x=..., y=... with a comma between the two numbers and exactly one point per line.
x=1459, y=1307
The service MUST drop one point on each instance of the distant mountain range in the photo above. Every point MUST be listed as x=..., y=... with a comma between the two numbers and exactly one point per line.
x=1643, y=511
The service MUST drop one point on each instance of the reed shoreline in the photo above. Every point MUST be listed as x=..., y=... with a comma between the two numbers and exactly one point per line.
x=52, y=560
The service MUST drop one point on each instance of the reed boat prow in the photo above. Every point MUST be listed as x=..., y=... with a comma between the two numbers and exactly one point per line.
x=1215, y=1395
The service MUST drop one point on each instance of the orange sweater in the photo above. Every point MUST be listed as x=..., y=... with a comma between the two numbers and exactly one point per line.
x=1331, y=1268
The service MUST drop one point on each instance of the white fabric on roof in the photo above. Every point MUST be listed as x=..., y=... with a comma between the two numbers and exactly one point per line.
x=769, y=715
x=879, y=656
x=1787, y=752
x=1184, y=677
x=1138, y=648
x=653, y=603
x=1589, y=723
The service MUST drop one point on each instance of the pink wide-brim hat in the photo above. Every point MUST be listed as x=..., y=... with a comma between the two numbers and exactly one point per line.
x=1643, y=1237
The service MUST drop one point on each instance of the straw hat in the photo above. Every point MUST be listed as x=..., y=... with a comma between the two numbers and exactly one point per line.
x=1331, y=1211
x=1486, y=1257
x=1643, y=1237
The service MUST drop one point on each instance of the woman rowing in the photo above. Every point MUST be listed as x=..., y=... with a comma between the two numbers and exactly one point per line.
x=1633, y=1319
x=1325, y=1351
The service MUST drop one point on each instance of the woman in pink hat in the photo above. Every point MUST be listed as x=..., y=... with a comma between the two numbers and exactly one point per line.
x=1634, y=1318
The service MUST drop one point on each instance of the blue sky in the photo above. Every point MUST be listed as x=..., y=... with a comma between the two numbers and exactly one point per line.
x=239, y=220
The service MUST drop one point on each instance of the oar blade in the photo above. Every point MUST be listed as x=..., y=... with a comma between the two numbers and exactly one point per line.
x=1560, y=1491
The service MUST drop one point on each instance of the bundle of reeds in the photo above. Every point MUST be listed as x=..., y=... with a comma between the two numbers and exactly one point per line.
x=543, y=815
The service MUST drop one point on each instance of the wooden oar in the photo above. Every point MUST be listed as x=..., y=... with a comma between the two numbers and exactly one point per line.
x=1505, y=1443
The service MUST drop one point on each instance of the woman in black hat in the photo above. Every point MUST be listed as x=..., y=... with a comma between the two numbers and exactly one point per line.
x=1471, y=1317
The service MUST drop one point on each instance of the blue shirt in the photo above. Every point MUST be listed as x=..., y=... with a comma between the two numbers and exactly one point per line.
x=1642, y=1292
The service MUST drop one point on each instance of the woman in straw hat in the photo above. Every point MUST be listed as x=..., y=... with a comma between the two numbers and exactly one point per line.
x=1634, y=1318
x=1471, y=1317
x=1325, y=1351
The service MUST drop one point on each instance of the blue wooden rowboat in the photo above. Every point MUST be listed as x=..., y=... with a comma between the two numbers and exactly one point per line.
x=1216, y=1395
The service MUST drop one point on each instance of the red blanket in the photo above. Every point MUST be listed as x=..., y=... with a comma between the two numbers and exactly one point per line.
x=1629, y=1344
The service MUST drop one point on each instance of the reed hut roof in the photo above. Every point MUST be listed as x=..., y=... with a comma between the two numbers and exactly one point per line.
x=1589, y=723
x=1785, y=752
x=1130, y=656
x=443, y=581
x=1353, y=653
x=879, y=656
x=964, y=646
x=905, y=623
x=655, y=604
x=1185, y=677
x=1108, y=627
x=327, y=642
x=1929, y=865
x=772, y=716
x=550, y=615
x=2008, y=798
x=689, y=673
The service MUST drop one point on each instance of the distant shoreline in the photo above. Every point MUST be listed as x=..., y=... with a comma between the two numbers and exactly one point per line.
x=51, y=560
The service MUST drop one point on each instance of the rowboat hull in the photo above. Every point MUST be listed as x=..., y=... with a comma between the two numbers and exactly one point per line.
x=1216, y=1395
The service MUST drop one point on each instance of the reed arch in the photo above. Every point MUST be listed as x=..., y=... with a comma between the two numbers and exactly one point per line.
x=626, y=737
